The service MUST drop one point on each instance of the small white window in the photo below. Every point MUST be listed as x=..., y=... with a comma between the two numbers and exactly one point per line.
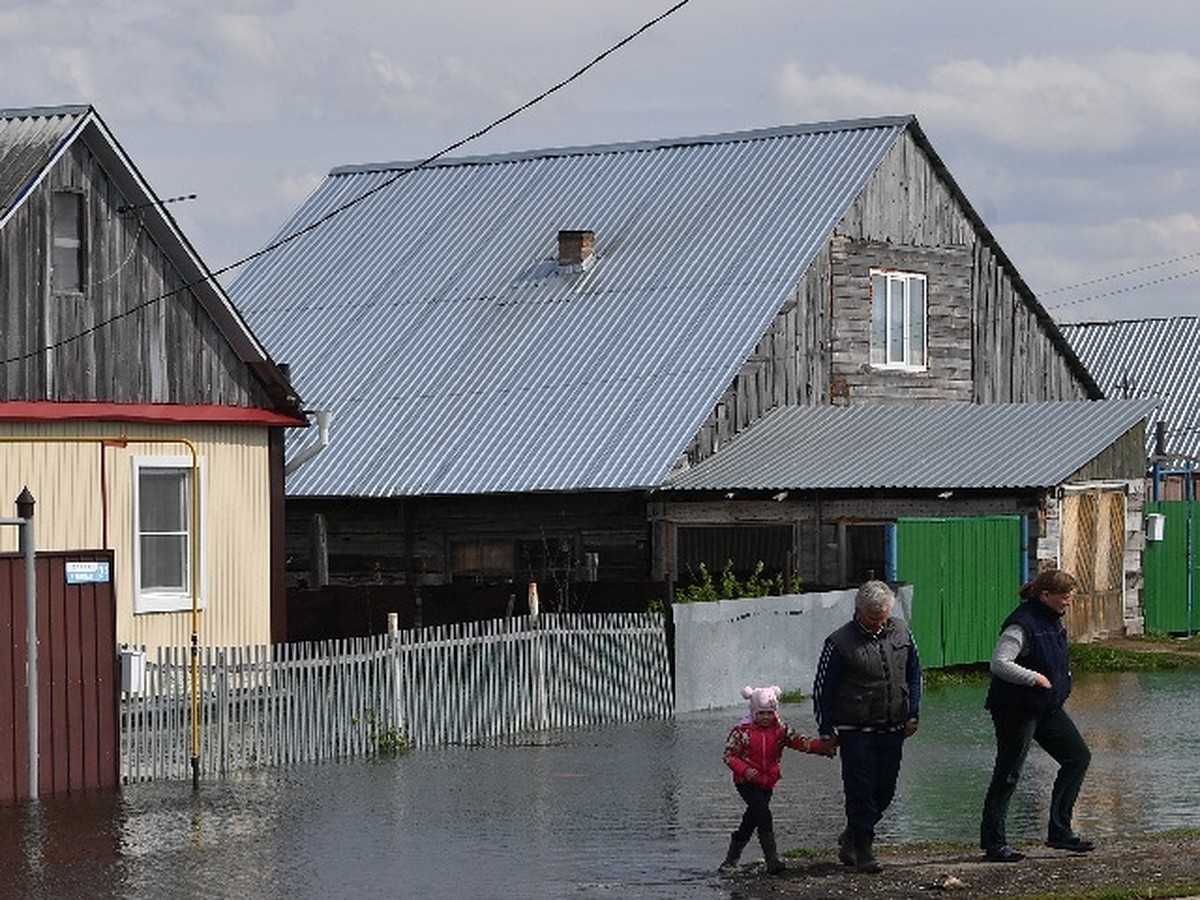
x=163, y=548
x=897, y=319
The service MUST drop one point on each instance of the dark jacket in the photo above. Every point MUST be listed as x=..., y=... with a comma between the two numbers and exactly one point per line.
x=867, y=681
x=1046, y=652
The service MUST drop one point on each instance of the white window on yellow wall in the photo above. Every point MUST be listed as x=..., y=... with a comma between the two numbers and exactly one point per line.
x=898, y=317
x=164, y=524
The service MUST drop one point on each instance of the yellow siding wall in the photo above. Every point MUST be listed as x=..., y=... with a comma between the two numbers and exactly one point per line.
x=83, y=489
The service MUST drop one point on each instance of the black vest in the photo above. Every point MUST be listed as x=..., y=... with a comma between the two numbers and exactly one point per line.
x=1045, y=652
x=873, y=688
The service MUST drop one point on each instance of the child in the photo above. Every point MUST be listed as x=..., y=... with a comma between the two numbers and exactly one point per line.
x=753, y=751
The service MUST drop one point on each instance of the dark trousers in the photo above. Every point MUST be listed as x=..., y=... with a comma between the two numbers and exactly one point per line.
x=757, y=814
x=1057, y=735
x=870, y=767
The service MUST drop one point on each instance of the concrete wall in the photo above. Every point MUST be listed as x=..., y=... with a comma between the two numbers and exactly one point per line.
x=723, y=646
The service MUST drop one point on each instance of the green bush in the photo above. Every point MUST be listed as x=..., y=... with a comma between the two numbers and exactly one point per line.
x=728, y=587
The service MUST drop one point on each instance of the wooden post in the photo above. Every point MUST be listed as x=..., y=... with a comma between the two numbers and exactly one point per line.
x=318, y=551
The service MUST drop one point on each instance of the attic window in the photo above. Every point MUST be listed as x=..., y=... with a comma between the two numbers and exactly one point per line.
x=67, y=242
x=576, y=249
x=897, y=319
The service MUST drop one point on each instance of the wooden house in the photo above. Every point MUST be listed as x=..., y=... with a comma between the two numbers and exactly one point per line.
x=141, y=413
x=522, y=352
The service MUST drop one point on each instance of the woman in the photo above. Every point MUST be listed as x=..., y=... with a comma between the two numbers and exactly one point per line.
x=1031, y=680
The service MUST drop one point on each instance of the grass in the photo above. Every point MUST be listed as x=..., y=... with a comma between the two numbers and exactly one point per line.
x=1099, y=658
x=1092, y=658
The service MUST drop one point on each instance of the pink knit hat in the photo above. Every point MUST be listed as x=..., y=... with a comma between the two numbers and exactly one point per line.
x=763, y=698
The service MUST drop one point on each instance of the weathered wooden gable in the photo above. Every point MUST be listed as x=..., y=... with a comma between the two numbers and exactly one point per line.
x=135, y=333
x=988, y=339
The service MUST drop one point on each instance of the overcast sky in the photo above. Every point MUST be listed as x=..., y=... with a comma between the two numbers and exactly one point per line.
x=1072, y=127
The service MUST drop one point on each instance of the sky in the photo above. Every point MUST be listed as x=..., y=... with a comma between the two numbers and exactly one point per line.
x=1072, y=127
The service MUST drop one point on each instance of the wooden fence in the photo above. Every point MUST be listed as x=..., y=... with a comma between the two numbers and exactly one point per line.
x=474, y=682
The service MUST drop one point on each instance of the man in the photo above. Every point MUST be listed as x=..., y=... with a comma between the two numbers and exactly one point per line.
x=867, y=699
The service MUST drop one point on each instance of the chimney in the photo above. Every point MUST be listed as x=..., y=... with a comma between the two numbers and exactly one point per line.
x=574, y=247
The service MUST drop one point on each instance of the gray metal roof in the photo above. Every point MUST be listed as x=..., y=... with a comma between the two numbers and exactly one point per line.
x=918, y=446
x=29, y=140
x=431, y=318
x=1148, y=357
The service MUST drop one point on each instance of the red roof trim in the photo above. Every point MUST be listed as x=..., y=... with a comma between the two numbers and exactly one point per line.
x=149, y=413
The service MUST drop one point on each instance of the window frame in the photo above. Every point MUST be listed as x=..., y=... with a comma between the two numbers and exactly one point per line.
x=169, y=599
x=75, y=243
x=883, y=354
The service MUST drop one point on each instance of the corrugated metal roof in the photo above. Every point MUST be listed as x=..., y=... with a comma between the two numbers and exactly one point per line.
x=431, y=317
x=1148, y=357
x=29, y=139
x=919, y=446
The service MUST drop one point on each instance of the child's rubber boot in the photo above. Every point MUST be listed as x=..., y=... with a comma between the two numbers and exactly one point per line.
x=736, y=846
x=775, y=865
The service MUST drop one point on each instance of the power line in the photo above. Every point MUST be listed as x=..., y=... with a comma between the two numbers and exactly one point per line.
x=317, y=223
x=1116, y=275
x=1125, y=290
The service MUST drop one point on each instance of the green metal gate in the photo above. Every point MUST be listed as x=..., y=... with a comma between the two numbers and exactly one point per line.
x=965, y=574
x=1172, y=573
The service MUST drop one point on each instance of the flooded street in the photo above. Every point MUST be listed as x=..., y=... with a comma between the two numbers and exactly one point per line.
x=640, y=810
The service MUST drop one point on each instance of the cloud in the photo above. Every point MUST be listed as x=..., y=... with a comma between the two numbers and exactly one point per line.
x=1099, y=103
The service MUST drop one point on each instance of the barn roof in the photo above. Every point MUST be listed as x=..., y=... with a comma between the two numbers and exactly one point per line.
x=33, y=139
x=424, y=304
x=1149, y=358
x=932, y=446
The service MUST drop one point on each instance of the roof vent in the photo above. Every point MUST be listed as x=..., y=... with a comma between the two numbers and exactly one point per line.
x=575, y=249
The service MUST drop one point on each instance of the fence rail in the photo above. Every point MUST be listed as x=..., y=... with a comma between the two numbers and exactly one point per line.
x=475, y=682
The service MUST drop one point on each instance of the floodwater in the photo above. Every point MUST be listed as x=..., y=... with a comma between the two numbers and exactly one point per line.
x=640, y=810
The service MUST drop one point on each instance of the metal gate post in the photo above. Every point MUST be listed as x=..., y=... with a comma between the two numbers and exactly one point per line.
x=25, y=505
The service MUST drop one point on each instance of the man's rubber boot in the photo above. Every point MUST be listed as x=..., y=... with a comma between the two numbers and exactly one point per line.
x=864, y=855
x=846, y=850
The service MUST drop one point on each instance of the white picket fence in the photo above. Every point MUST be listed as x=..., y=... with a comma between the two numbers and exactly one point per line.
x=456, y=684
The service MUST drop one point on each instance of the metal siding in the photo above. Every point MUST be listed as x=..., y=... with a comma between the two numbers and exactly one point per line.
x=965, y=573
x=236, y=529
x=432, y=319
x=1172, y=592
x=1009, y=445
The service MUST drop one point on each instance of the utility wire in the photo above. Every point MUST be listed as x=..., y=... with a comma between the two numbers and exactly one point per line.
x=1116, y=275
x=1125, y=290
x=317, y=223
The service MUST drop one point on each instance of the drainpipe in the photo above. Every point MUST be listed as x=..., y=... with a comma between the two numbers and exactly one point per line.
x=324, y=416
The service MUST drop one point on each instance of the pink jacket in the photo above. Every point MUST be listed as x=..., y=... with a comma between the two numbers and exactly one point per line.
x=750, y=746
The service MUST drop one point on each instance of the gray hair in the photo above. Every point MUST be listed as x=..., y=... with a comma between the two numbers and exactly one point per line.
x=876, y=596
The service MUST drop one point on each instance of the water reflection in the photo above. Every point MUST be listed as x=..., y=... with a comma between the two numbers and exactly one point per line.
x=640, y=810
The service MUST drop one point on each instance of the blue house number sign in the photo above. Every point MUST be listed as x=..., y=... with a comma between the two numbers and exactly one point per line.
x=87, y=572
